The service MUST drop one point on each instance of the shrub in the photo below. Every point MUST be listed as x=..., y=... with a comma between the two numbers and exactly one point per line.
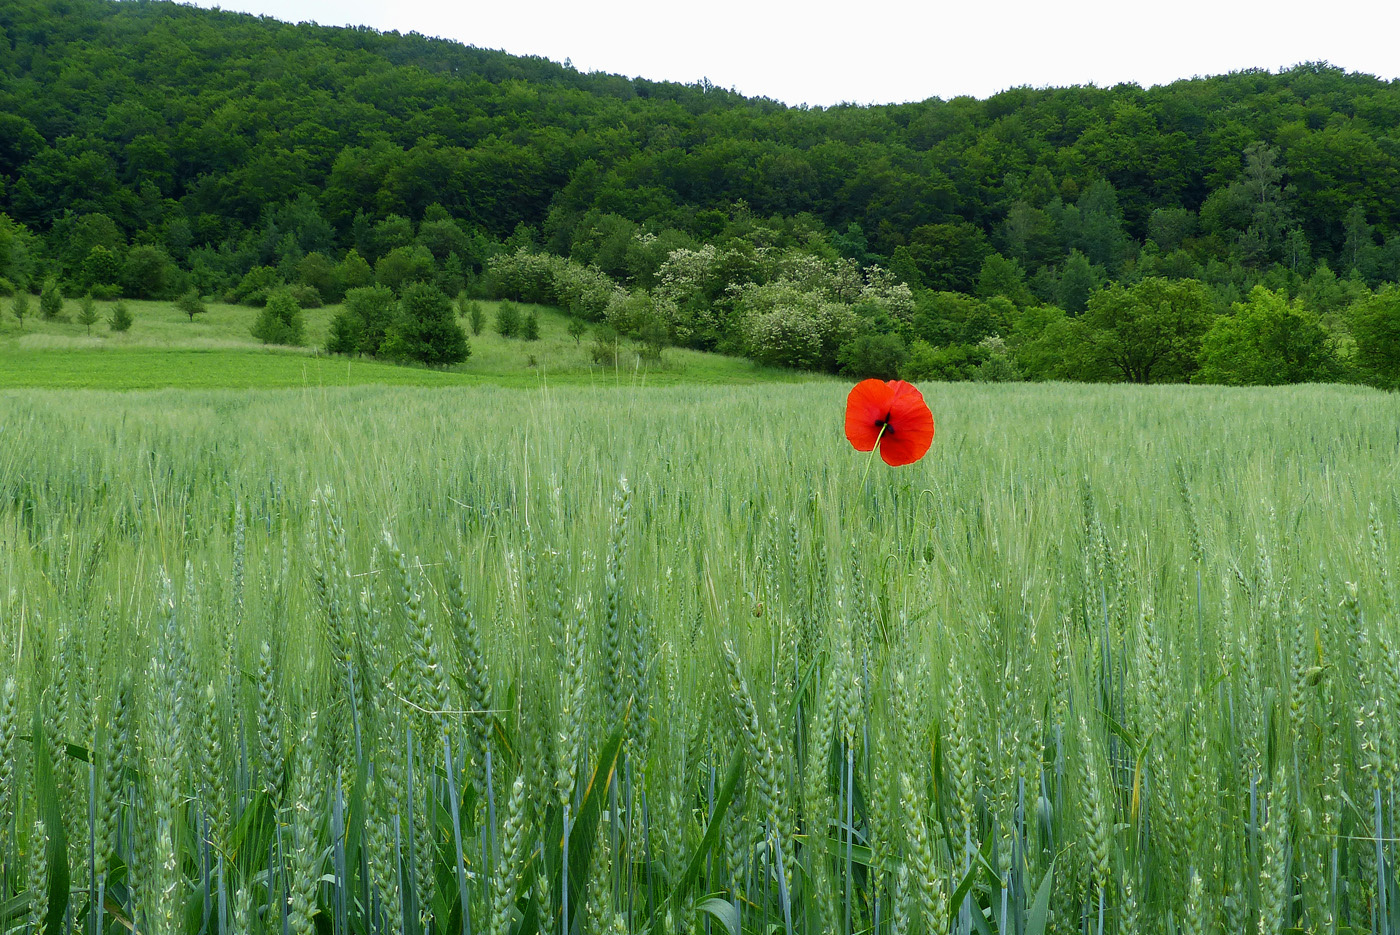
x=452, y=278
x=577, y=329
x=373, y=308
x=120, y=319
x=317, y=271
x=998, y=367
x=87, y=312
x=354, y=272
x=346, y=334
x=606, y=345
x=530, y=331
x=256, y=285
x=426, y=329
x=1264, y=341
x=472, y=312
x=546, y=279
x=50, y=301
x=787, y=325
x=628, y=311
x=404, y=265
x=101, y=268
x=280, y=320
x=20, y=307
x=7, y=288
x=654, y=337
x=508, y=319
x=148, y=273
x=306, y=295
x=872, y=355
x=1376, y=326
x=106, y=291
x=1150, y=330
x=956, y=362
x=785, y=337
x=191, y=304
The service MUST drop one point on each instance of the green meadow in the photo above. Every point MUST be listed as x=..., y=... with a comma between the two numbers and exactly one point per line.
x=164, y=348
x=372, y=659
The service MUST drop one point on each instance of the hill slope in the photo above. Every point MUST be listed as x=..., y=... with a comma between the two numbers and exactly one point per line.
x=148, y=148
x=165, y=349
x=192, y=124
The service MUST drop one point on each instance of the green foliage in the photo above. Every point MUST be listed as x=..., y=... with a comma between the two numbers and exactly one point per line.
x=452, y=276
x=257, y=285
x=530, y=328
x=873, y=355
x=148, y=273
x=1150, y=331
x=354, y=272
x=471, y=310
x=1001, y=276
x=508, y=320
x=18, y=250
x=51, y=301
x=403, y=266
x=654, y=338
x=529, y=276
x=372, y=310
x=942, y=318
x=101, y=267
x=426, y=329
x=999, y=367
x=785, y=336
x=943, y=257
x=120, y=320
x=480, y=183
x=607, y=344
x=788, y=324
x=1376, y=327
x=1266, y=340
x=346, y=334
x=1049, y=345
x=87, y=312
x=628, y=312
x=1077, y=281
x=19, y=307
x=577, y=329
x=317, y=272
x=952, y=363
x=191, y=304
x=279, y=322
x=306, y=295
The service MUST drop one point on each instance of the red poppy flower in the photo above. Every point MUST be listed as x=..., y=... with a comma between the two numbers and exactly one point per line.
x=894, y=414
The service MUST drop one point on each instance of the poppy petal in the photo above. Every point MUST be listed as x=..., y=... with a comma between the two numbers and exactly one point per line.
x=911, y=426
x=867, y=405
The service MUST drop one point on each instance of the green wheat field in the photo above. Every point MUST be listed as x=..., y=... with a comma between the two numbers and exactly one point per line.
x=448, y=661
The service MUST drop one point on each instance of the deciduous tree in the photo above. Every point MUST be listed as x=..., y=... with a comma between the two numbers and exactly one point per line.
x=1150, y=331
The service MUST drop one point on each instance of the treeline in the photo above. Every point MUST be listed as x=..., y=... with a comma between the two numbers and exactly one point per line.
x=149, y=149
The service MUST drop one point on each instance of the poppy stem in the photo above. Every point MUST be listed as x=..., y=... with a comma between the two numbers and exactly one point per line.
x=871, y=460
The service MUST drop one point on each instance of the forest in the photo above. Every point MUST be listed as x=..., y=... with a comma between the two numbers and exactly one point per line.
x=1241, y=228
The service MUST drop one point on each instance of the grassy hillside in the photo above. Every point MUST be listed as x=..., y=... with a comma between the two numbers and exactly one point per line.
x=165, y=349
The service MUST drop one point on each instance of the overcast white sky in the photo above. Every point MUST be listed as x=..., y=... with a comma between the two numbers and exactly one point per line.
x=881, y=51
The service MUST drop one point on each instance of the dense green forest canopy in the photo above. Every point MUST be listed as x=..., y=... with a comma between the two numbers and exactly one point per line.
x=155, y=148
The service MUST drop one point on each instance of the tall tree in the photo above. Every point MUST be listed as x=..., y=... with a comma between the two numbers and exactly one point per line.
x=1150, y=331
x=426, y=328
